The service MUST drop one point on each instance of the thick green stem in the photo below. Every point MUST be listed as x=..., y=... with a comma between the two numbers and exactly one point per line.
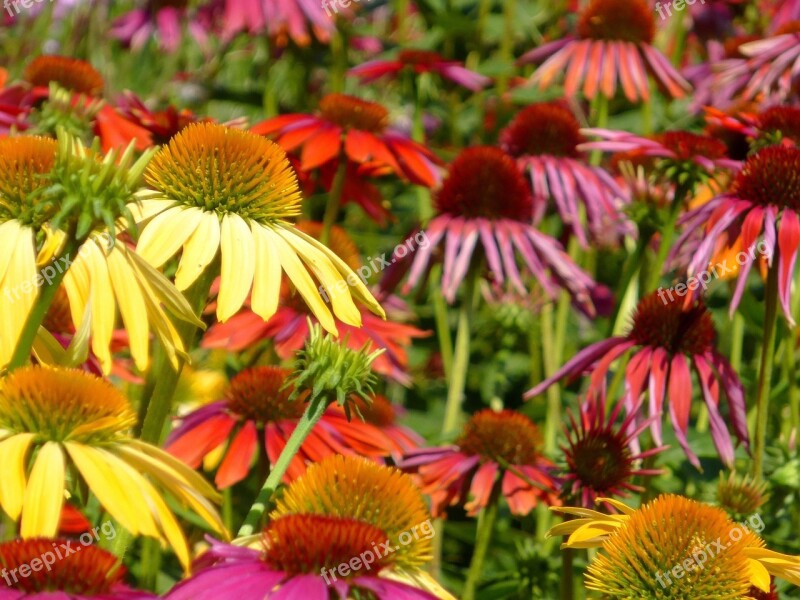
x=507, y=43
x=314, y=411
x=553, y=418
x=737, y=341
x=334, y=200
x=627, y=282
x=664, y=245
x=567, y=574
x=440, y=314
x=600, y=111
x=22, y=353
x=486, y=522
x=765, y=372
x=458, y=376
x=790, y=369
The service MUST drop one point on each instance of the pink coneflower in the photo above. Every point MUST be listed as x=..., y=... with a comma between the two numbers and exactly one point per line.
x=486, y=198
x=421, y=61
x=91, y=574
x=612, y=46
x=162, y=19
x=774, y=125
x=256, y=418
x=762, y=204
x=281, y=19
x=544, y=139
x=300, y=557
x=503, y=444
x=668, y=339
x=601, y=456
x=357, y=129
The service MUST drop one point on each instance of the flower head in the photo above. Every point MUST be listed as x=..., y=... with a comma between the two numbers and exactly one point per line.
x=740, y=495
x=617, y=20
x=69, y=419
x=223, y=191
x=72, y=74
x=495, y=449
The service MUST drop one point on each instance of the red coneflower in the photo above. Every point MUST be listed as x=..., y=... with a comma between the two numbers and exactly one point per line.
x=600, y=455
x=668, y=338
x=356, y=128
x=612, y=45
x=421, y=61
x=486, y=198
x=774, y=125
x=761, y=204
x=544, y=138
x=76, y=572
x=503, y=444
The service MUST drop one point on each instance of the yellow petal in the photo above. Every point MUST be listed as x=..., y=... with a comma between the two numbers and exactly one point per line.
x=18, y=292
x=168, y=524
x=238, y=266
x=199, y=250
x=267, y=282
x=101, y=302
x=131, y=306
x=13, y=457
x=302, y=281
x=147, y=208
x=590, y=532
x=165, y=234
x=759, y=576
x=76, y=284
x=623, y=508
x=44, y=495
x=336, y=287
x=9, y=232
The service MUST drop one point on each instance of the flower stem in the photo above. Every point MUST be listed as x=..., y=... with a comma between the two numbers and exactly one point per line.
x=790, y=368
x=549, y=351
x=765, y=371
x=664, y=245
x=458, y=375
x=486, y=523
x=507, y=43
x=310, y=418
x=334, y=200
x=22, y=353
x=600, y=112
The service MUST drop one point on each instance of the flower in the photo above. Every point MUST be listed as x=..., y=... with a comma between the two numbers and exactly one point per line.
x=420, y=61
x=639, y=548
x=220, y=190
x=72, y=74
x=771, y=126
x=544, y=139
x=281, y=19
x=70, y=420
x=741, y=496
x=350, y=487
x=289, y=327
x=612, y=45
x=599, y=456
x=256, y=417
x=162, y=18
x=486, y=197
x=300, y=559
x=495, y=449
x=668, y=337
x=81, y=573
x=763, y=202
x=357, y=130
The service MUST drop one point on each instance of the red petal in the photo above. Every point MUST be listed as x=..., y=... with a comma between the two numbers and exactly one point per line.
x=237, y=461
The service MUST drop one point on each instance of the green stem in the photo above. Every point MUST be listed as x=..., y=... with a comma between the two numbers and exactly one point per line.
x=737, y=341
x=600, y=111
x=506, y=43
x=647, y=117
x=664, y=245
x=314, y=411
x=401, y=10
x=567, y=574
x=339, y=51
x=486, y=523
x=22, y=352
x=789, y=365
x=765, y=371
x=458, y=375
x=443, y=331
x=334, y=200
x=632, y=266
x=553, y=418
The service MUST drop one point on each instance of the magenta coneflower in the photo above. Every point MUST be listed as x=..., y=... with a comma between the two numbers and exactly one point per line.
x=486, y=198
x=163, y=19
x=762, y=204
x=612, y=45
x=421, y=61
x=300, y=559
x=601, y=455
x=544, y=139
x=281, y=19
x=774, y=125
x=504, y=445
x=668, y=338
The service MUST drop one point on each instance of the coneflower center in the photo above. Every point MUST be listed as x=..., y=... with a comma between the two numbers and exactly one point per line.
x=257, y=394
x=617, y=20
x=484, y=182
x=421, y=58
x=781, y=119
x=70, y=73
x=771, y=177
x=661, y=322
x=216, y=168
x=506, y=436
x=599, y=460
x=349, y=112
x=547, y=128
x=90, y=572
x=63, y=404
x=687, y=145
x=306, y=544
x=25, y=162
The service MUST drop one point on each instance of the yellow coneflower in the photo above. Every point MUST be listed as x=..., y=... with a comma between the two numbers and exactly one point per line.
x=641, y=551
x=220, y=190
x=53, y=420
